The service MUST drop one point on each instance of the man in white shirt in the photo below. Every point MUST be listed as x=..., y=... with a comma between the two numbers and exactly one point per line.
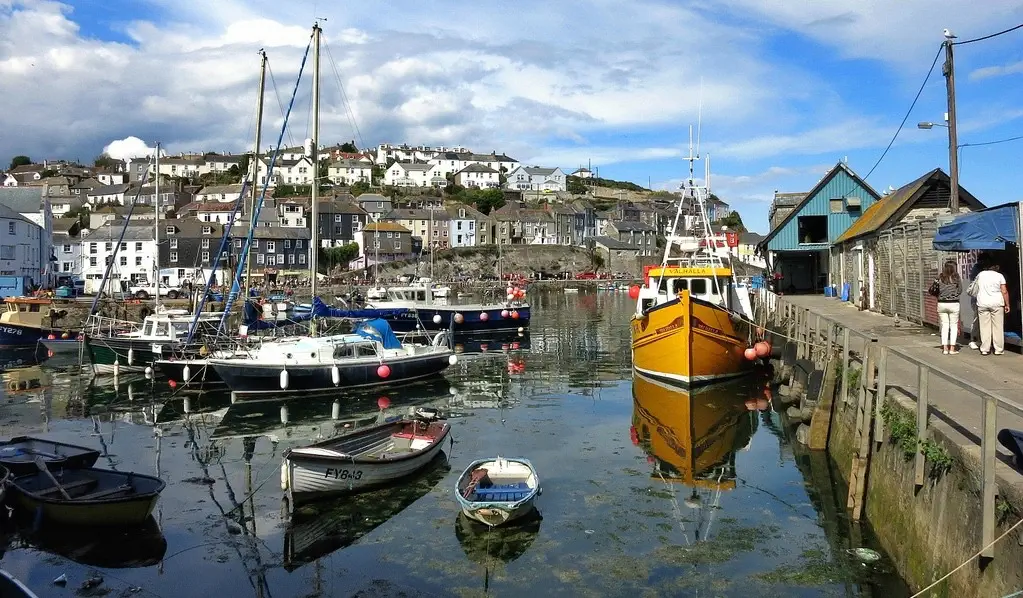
x=992, y=304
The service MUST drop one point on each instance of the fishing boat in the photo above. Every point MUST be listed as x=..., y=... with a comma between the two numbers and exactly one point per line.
x=371, y=355
x=323, y=527
x=692, y=321
x=497, y=491
x=12, y=588
x=376, y=293
x=94, y=497
x=363, y=459
x=18, y=455
x=26, y=320
x=426, y=314
x=120, y=346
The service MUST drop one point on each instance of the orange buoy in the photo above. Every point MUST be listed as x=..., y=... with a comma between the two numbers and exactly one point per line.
x=634, y=292
x=383, y=402
x=763, y=348
x=750, y=353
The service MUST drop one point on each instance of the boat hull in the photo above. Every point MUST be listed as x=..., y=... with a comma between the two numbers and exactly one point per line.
x=472, y=319
x=119, y=511
x=201, y=376
x=129, y=354
x=494, y=512
x=259, y=378
x=17, y=455
x=690, y=343
x=309, y=477
x=60, y=346
x=11, y=587
x=23, y=335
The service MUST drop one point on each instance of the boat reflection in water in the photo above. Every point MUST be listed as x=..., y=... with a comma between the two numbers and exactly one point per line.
x=115, y=548
x=321, y=528
x=498, y=546
x=691, y=438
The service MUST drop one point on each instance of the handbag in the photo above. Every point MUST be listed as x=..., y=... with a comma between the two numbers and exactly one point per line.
x=935, y=289
x=973, y=289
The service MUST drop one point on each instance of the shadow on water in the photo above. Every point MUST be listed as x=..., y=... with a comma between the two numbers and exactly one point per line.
x=647, y=488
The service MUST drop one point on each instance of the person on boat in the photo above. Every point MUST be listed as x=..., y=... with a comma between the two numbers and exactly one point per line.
x=948, y=288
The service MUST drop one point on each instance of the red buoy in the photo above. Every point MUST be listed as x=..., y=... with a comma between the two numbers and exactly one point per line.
x=173, y=384
x=50, y=337
x=750, y=353
x=763, y=348
x=751, y=405
x=484, y=316
x=634, y=292
x=384, y=371
x=515, y=314
x=383, y=402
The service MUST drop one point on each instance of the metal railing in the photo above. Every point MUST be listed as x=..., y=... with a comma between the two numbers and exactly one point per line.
x=824, y=333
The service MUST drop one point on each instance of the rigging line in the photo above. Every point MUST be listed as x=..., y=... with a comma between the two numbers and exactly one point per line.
x=967, y=561
x=1016, y=138
x=980, y=39
x=344, y=97
x=908, y=112
x=277, y=94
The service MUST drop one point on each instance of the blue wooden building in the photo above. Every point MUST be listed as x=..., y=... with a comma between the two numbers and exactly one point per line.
x=798, y=247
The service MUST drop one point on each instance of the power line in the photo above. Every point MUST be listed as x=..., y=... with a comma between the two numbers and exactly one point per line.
x=980, y=39
x=908, y=112
x=1016, y=138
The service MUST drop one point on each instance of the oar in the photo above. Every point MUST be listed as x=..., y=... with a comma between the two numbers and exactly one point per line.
x=41, y=465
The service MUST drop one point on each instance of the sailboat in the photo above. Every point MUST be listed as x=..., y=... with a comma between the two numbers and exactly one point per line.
x=692, y=321
x=370, y=355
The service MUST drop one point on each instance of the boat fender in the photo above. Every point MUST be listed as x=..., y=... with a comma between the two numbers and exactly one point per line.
x=452, y=360
x=117, y=367
x=186, y=374
x=335, y=375
x=436, y=319
x=284, y=379
x=284, y=475
x=131, y=356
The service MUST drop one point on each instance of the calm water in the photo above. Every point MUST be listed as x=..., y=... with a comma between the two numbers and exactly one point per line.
x=646, y=490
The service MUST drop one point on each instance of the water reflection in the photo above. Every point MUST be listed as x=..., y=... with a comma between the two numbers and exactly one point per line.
x=140, y=546
x=497, y=546
x=321, y=528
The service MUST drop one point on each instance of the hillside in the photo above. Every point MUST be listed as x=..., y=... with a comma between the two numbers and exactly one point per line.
x=476, y=262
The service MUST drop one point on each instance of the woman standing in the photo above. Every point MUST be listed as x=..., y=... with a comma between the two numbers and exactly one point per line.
x=992, y=305
x=948, y=288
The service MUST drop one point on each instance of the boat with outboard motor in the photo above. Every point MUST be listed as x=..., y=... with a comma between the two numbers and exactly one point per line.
x=426, y=314
x=370, y=355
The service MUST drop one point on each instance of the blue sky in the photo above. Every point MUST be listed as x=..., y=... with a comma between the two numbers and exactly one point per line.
x=787, y=87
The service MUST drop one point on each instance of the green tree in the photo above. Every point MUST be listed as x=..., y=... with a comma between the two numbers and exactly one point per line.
x=350, y=147
x=48, y=173
x=243, y=164
x=359, y=188
x=234, y=171
x=17, y=161
x=333, y=257
x=105, y=161
x=576, y=185
x=733, y=221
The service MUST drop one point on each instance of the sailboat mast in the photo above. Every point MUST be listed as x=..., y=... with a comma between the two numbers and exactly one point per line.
x=432, y=244
x=254, y=184
x=156, y=227
x=314, y=155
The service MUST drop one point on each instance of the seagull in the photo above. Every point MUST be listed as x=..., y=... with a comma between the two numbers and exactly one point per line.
x=948, y=34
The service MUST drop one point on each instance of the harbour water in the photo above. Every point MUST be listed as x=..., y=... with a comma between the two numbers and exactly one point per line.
x=646, y=490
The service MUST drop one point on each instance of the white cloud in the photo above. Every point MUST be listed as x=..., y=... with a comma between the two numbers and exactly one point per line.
x=129, y=147
x=987, y=72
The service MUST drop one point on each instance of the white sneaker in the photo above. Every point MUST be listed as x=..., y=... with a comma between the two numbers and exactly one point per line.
x=999, y=352
x=974, y=345
x=954, y=352
x=944, y=351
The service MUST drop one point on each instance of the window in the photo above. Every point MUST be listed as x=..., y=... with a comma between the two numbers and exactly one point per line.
x=7, y=252
x=259, y=258
x=207, y=230
x=12, y=228
x=837, y=205
x=287, y=243
x=459, y=226
x=107, y=246
x=92, y=247
x=301, y=258
x=205, y=243
x=173, y=243
x=812, y=229
x=124, y=247
x=338, y=218
x=138, y=246
x=291, y=258
x=271, y=260
x=66, y=249
x=66, y=266
x=298, y=243
x=397, y=244
x=205, y=257
x=280, y=258
x=174, y=256
x=138, y=260
x=238, y=243
x=271, y=247
x=169, y=230
x=124, y=260
x=376, y=244
x=255, y=243
x=458, y=239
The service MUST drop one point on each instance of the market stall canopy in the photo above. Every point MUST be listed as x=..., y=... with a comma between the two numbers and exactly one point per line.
x=982, y=230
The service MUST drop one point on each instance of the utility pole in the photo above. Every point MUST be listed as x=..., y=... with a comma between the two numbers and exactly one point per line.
x=953, y=145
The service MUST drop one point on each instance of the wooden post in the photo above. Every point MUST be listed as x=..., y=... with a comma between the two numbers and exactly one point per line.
x=816, y=338
x=845, y=365
x=988, y=450
x=829, y=341
x=921, y=421
x=861, y=461
x=805, y=335
x=882, y=390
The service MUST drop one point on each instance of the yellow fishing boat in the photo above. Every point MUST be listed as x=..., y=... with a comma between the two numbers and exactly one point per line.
x=692, y=320
x=692, y=438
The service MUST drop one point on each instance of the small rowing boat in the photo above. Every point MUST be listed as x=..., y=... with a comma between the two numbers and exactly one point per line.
x=88, y=497
x=19, y=454
x=367, y=458
x=497, y=491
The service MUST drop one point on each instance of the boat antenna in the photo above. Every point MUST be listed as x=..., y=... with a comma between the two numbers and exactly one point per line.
x=699, y=119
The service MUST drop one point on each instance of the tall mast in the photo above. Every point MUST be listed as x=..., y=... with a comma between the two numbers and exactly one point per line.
x=432, y=244
x=156, y=227
x=251, y=209
x=314, y=155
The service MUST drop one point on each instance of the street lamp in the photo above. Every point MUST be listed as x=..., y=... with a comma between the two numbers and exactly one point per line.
x=929, y=125
x=953, y=159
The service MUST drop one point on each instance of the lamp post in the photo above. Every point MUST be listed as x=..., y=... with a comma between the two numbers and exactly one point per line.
x=953, y=162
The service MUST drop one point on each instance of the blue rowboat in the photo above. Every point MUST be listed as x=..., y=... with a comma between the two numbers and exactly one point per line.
x=498, y=490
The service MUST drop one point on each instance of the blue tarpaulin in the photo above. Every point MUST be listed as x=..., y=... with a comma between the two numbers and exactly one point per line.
x=379, y=330
x=987, y=229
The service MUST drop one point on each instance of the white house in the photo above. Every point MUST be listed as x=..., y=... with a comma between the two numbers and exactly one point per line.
x=299, y=171
x=405, y=174
x=32, y=204
x=182, y=166
x=112, y=178
x=67, y=247
x=452, y=162
x=462, y=226
x=219, y=193
x=406, y=153
x=136, y=255
x=222, y=163
x=347, y=172
x=213, y=211
x=21, y=246
x=107, y=194
x=479, y=176
x=583, y=173
x=291, y=213
x=534, y=178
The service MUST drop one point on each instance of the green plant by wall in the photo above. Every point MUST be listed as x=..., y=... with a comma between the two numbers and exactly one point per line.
x=852, y=377
x=901, y=426
x=938, y=456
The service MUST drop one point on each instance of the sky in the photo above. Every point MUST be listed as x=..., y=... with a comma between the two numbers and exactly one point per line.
x=779, y=90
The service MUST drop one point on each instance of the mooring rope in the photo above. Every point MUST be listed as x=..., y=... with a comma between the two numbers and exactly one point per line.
x=968, y=561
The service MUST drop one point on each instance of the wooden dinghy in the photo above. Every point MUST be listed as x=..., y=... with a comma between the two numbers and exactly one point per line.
x=18, y=455
x=363, y=459
x=497, y=491
x=88, y=497
x=12, y=588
